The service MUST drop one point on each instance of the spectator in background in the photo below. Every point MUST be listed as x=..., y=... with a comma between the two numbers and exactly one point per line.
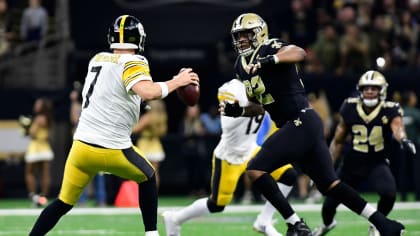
x=327, y=48
x=6, y=31
x=194, y=150
x=34, y=22
x=39, y=153
x=151, y=127
x=410, y=171
x=354, y=48
x=99, y=179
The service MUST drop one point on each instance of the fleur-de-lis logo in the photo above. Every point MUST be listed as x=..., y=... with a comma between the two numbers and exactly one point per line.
x=384, y=120
x=297, y=122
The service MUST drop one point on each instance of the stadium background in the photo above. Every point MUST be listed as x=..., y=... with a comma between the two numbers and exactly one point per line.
x=191, y=33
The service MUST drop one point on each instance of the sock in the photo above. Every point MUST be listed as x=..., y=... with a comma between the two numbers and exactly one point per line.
x=329, y=209
x=148, y=200
x=268, y=210
x=292, y=219
x=196, y=209
x=152, y=233
x=347, y=196
x=268, y=187
x=49, y=217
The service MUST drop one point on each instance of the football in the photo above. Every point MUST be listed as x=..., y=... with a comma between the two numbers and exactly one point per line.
x=189, y=94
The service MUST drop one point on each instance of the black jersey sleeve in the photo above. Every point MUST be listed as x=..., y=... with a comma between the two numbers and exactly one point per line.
x=346, y=109
x=273, y=45
x=393, y=109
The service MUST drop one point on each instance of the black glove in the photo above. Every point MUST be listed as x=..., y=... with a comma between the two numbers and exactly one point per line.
x=270, y=59
x=233, y=110
x=408, y=146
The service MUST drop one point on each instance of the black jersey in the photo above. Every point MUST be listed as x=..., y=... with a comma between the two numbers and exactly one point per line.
x=371, y=134
x=277, y=87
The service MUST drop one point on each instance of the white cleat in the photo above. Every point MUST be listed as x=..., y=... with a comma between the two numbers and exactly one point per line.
x=265, y=228
x=372, y=231
x=172, y=227
x=323, y=230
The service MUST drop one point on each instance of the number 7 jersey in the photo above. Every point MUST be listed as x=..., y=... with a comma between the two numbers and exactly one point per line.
x=110, y=109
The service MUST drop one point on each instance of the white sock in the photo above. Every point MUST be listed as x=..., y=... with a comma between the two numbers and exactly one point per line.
x=152, y=233
x=293, y=219
x=268, y=210
x=368, y=211
x=196, y=209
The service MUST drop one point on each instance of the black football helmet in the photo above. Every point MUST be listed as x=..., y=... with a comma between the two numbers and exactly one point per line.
x=126, y=32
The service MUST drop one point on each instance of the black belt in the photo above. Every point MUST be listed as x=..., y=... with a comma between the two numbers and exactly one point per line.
x=91, y=144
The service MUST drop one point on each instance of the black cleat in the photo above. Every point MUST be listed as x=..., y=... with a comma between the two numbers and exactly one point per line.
x=391, y=228
x=298, y=229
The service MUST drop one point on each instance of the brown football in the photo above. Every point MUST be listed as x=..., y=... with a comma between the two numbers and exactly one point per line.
x=189, y=94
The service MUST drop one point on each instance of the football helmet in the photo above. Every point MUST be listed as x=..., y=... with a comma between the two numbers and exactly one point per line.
x=253, y=23
x=372, y=78
x=126, y=32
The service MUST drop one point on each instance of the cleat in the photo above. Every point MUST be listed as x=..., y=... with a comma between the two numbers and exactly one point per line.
x=172, y=227
x=372, y=231
x=323, y=230
x=38, y=201
x=265, y=228
x=298, y=229
x=391, y=228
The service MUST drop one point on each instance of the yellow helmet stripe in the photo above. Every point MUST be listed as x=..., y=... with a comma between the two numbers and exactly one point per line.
x=122, y=28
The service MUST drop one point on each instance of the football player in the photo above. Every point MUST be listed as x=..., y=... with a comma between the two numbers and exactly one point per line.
x=115, y=85
x=269, y=70
x=372, y=122
x=239, y=141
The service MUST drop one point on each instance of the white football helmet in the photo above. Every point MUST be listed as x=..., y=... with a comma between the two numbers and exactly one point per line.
x=372, y=78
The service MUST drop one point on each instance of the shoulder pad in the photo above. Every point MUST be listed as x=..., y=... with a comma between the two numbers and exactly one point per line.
x=389, y=104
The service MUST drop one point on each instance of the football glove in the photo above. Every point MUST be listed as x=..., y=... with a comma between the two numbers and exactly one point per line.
x=231, y=109
x=408, y=146
x=267, y=60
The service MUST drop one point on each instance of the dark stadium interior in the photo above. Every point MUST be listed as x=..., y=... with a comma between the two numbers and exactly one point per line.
x=193, y=33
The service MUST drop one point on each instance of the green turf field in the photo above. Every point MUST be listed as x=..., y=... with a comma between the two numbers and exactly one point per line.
x=237, y=220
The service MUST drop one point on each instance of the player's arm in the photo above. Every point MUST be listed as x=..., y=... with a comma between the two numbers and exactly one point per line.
x=337, y=143
x=286, y=54
x=398, y=130
x=149, y=90
x=235, y=110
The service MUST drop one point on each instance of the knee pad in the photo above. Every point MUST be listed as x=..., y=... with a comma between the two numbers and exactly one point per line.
x=213, y=208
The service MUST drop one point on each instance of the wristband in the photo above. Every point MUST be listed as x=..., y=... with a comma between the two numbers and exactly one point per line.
x=164, y=89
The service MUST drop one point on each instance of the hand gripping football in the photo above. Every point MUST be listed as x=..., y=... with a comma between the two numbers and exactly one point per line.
x=189, y=94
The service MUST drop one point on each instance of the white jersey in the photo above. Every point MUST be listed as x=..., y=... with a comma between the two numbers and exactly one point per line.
x=110, y=109
x=239, y=135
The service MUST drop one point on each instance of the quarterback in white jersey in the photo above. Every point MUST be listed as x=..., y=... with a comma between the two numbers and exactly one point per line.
x=115, y=85
x=238, y=144
x=108, y=120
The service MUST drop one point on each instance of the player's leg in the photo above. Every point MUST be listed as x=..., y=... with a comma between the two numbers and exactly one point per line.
x=74, y=181
x=285, y=146
x=320, y=169
x=383, y=182
x=286, y=177
x=131, y=164
x=224, y=179
x=329, y=207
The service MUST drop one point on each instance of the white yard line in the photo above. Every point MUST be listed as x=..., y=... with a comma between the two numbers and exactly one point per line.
x=229, y=209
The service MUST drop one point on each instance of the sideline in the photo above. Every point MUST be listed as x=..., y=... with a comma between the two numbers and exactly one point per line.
x=229, y=209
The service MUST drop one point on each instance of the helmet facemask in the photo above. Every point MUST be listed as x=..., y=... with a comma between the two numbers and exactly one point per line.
x=373, y=79
x=254, y=27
